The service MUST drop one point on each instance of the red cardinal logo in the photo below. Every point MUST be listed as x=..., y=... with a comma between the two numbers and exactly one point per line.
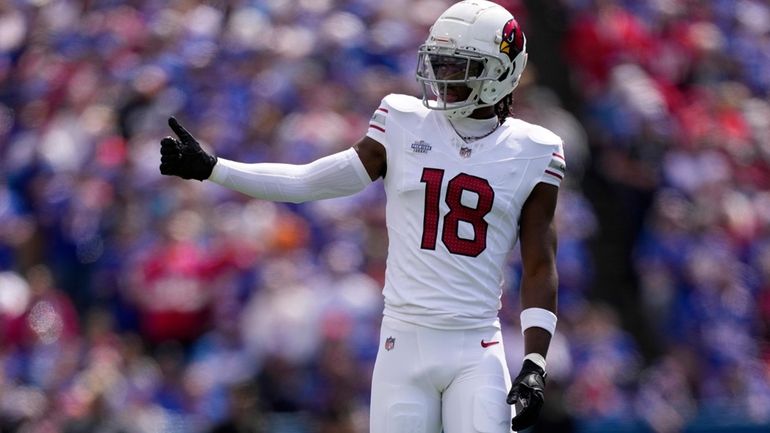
x=513, y=39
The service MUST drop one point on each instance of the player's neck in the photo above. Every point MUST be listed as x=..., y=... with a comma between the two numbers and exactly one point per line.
x=472, y=129
x=470, y=122
x=483, y=113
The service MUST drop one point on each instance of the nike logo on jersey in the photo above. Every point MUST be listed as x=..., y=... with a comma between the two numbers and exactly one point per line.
x=486, y=344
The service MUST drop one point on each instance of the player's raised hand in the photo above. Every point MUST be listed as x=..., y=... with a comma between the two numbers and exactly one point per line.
x=184, y=157
x=527, y=394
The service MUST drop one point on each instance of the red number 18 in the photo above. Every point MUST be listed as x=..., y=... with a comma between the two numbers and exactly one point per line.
x=432, y=177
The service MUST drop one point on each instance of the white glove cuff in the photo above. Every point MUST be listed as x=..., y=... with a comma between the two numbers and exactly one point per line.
x=538, y=317
x=335, y=175
x=537, y=359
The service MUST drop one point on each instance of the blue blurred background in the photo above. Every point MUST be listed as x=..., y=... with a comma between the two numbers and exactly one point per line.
x=135, y=303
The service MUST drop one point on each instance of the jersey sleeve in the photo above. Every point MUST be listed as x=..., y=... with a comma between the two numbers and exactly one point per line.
x=556, y=169
x=378, y=123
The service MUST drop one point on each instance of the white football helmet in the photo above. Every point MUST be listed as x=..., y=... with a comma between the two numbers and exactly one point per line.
x=473, y=57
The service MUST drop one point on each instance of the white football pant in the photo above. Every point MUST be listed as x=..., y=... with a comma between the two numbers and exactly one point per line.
x=427, y=379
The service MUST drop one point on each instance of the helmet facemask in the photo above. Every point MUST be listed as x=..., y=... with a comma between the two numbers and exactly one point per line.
x=455, y=78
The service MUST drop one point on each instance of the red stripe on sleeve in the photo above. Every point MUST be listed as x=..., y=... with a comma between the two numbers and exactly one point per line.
x=377, y=127
x=558, y=156
x=554, y=174
x=385, y=110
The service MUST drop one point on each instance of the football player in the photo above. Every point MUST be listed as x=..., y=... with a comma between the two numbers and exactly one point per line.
x=464, y=182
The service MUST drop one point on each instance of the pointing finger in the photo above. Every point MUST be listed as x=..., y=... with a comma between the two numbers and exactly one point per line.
x=179, y=130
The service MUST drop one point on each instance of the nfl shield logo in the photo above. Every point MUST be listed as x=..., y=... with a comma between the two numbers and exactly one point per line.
x=389, y=343
x=465, y=152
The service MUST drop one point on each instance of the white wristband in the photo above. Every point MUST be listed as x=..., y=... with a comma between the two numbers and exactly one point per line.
x=538, y=317
x=537, y=359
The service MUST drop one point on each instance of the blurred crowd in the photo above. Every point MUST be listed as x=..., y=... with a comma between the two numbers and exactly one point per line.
x=136, y=303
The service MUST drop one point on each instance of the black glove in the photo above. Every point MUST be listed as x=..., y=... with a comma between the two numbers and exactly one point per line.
x=527, y=394
x=184, y=157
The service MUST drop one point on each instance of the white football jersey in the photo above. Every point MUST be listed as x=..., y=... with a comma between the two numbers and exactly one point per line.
x=453, y=210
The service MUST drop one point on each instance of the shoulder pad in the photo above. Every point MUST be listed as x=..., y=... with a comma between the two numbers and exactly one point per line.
x=541, y=135
x=403, y=103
